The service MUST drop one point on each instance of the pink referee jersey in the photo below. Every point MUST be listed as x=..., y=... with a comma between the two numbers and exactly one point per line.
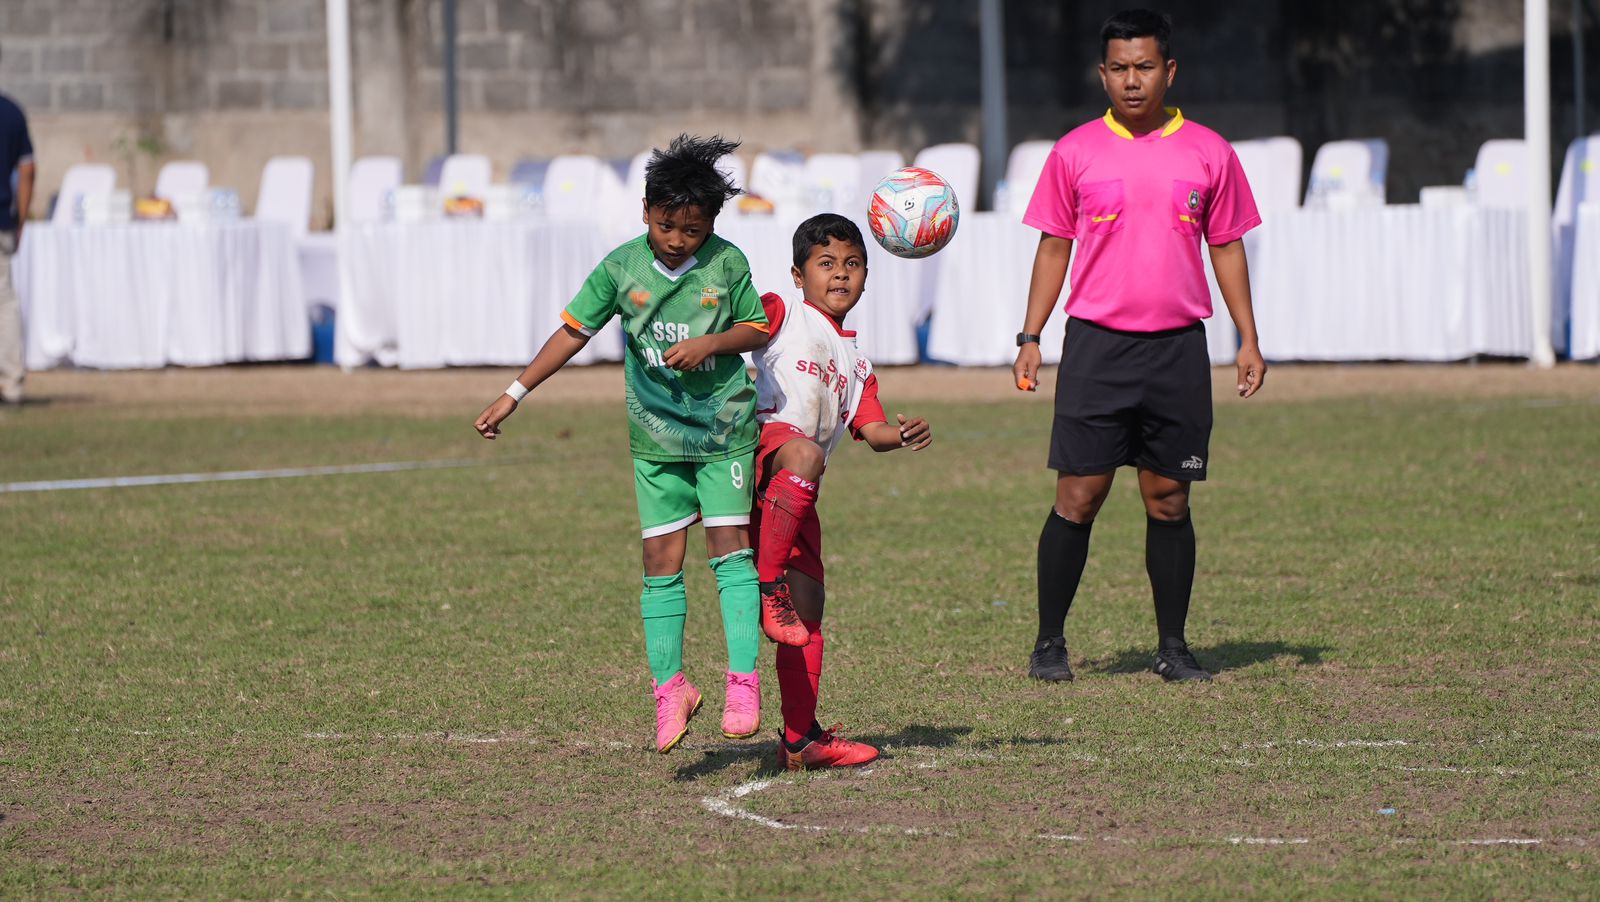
x=1137, y=207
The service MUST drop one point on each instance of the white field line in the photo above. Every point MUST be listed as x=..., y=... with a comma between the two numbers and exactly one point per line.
x=1324, y=744
x=1497, y=771
x=1499, y=842
x=120, y=482
x=421, y=737
x=1265, y=841
x=723, y=804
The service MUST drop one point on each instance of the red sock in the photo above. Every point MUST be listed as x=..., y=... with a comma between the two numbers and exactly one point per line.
x=787, y=503
x=799, y=681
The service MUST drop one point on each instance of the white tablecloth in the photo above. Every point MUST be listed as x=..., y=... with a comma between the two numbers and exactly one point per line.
x=464, y=293
x=1585, y=312
x=1392, y=283
x=146, y=295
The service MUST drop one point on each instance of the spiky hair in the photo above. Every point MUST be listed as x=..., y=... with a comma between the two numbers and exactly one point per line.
x=686, y=175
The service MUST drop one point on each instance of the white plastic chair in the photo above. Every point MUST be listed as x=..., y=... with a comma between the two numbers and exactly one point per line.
x=465, y=175
x=182, y=177
x=778, y=177
x=733, y=167
x=1347, y=171
x=832, y=184
x=1288, y=162
x=285, y=193
x=1500, y=173
x=633, y=185
x=1580, y=184
x=957, y=164
x=371, y=181
x=875, y=164
x=1272, y=167
x=581, y=187
x=1023, y=168
x=80, y=180
x=1580, y=179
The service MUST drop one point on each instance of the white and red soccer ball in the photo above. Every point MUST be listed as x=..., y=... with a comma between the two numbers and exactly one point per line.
x=914, y=212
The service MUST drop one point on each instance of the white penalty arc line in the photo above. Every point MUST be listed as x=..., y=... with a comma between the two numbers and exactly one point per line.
x=723, y=804
x=120, y=482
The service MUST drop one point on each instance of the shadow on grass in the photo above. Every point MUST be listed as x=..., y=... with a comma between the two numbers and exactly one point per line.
x=726, y=756
x=1215, y=658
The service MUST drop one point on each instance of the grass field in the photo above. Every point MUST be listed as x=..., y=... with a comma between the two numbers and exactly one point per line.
x=432, y=684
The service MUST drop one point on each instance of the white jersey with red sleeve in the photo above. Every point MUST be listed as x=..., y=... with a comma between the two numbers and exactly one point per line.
x=811, y=376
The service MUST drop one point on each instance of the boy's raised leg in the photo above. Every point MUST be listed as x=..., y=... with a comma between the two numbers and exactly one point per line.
x=789, y=500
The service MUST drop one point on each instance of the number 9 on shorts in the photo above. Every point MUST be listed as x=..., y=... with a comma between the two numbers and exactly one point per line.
x=673, y=494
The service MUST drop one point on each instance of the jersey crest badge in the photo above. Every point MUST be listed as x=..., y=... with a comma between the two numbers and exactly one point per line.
x=639, y=297
x=862, y=368
x=1194, y=199
x=708, y=298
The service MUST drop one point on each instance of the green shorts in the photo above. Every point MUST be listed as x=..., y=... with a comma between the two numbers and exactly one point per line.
x=674, y=494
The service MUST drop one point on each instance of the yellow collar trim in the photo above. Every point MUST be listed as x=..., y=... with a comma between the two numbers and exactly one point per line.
x=1120, y=131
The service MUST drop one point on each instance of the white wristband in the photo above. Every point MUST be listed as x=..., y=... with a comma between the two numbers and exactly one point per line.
x=517, y=391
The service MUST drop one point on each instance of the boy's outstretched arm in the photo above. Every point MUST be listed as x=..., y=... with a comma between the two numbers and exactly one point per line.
x=559, y=349
x=914, y=434
x=691, y=352
x=1233, y=278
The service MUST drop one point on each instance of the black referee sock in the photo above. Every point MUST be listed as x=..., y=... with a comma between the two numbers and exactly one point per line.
x=1063, y=550
x=1169, y=559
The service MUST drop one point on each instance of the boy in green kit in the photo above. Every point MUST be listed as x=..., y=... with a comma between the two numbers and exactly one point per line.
x=689, y=310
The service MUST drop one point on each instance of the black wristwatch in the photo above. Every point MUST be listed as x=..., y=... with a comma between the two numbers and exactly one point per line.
x=1023, y=338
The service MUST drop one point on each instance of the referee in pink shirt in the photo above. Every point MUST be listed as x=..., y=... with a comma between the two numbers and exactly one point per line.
x=1136, y=190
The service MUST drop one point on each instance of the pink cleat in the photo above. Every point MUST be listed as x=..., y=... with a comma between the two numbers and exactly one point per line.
x=676, y=702
x=741, y=713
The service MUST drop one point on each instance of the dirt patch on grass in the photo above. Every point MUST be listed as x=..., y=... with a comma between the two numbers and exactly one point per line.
x=326, y=391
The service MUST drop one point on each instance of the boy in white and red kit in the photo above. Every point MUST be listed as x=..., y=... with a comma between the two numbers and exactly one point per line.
x=813, y=386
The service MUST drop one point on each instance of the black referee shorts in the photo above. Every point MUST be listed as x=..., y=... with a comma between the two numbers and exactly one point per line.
x=1139, y=398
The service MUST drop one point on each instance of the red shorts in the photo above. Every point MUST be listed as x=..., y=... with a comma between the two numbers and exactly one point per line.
x=807, y=554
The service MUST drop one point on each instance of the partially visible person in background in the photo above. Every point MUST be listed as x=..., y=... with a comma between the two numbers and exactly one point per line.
x=16, y=161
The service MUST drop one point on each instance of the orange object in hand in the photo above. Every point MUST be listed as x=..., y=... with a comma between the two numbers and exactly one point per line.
x=1025, y=384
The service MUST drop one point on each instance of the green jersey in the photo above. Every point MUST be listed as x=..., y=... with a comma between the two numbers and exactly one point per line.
x=705, y=414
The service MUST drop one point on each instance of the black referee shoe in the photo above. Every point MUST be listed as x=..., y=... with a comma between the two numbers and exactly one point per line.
x=1177, y=665
x=1049, y=661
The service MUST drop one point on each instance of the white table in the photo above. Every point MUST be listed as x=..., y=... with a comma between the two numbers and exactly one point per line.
x=464, y=292
x=470, y=293
x=1392, y=283
x=145, y=295
x=1386, y=283
x=1585, y=310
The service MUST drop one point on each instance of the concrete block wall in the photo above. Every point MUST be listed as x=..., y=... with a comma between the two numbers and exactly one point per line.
x=233, y=82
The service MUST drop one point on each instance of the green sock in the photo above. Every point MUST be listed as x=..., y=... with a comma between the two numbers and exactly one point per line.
x=741, y=608
x=664, y=604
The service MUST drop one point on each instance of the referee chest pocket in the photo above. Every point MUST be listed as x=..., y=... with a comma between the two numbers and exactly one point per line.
x=1188, y=206
x=1100, y=204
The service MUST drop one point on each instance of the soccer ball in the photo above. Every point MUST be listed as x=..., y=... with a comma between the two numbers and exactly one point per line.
x=914, y=212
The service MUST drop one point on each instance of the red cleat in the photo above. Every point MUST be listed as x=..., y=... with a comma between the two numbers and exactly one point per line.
x=828, y=751
x=778, y=619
